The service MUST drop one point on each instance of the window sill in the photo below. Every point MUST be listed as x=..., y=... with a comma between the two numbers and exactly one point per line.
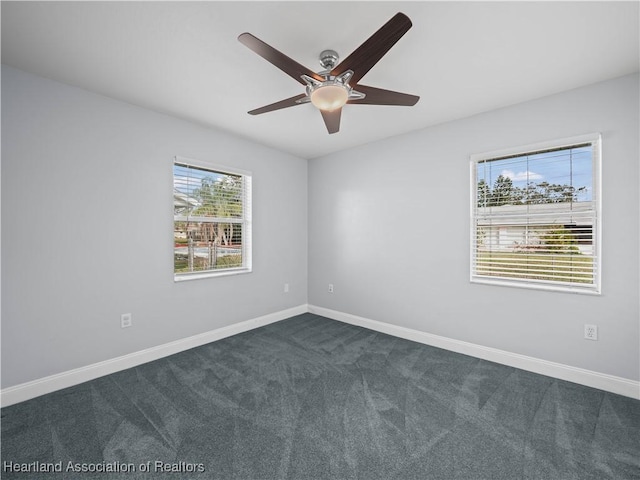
x=200, y=275
x=590, y=290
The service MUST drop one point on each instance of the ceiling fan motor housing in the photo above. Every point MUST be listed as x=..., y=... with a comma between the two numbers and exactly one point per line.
x=329, y=59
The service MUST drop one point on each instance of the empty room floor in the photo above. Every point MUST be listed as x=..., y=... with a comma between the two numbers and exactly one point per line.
x=313, y=398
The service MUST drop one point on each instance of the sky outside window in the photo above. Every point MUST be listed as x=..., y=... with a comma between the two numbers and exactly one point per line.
x=570, y=167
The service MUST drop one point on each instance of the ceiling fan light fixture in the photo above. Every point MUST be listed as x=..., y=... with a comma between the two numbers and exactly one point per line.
x=338, y=84
x=329, y=97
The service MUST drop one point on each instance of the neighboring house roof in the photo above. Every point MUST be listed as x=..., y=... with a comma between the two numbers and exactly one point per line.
x=546, y=213
x=182, y=201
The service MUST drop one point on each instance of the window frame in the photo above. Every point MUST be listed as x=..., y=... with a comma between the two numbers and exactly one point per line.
x=246, y=222
x=595, y=288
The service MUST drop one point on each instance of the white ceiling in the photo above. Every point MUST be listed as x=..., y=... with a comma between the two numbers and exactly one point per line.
x=183, y=58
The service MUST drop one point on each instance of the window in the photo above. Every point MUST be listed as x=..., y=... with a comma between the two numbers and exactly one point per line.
x=535, y=216
x=211, y=220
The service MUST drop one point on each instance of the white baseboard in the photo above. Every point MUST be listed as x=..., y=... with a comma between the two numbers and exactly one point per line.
x=28, y=390
x=609, y=383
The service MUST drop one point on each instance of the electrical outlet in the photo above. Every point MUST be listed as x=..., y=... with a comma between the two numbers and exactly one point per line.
x=331, y=288
x=125, y=320
x=286, y=288
x=591, y=332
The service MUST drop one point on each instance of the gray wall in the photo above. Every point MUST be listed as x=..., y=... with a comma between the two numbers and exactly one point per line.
x=86, y=229
x=389, y=227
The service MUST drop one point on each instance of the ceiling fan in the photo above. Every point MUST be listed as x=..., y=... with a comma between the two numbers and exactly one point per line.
x=337, y=85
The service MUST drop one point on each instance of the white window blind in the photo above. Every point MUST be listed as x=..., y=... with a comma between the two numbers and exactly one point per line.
x=211, y=220
x=535, y=216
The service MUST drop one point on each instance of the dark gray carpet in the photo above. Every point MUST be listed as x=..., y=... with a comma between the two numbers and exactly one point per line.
x=311, y=398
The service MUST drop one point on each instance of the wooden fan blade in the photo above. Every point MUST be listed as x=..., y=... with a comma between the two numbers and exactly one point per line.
x=379, y=96
x=332, y=119
x=287, y=102
x=374, y=48
x=279, y=59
